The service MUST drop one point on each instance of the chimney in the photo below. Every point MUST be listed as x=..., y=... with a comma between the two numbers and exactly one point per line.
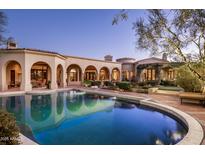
x=108, y=58
x=164, y=56
x=11, y=43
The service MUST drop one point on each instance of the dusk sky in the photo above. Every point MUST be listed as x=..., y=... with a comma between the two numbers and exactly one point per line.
x=84, y=33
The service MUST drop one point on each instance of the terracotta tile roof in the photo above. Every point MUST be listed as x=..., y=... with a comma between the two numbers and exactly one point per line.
x=56, y=53
x=32, y=49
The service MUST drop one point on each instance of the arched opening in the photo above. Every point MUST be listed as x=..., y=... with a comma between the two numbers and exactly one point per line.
x=40, y=75
x=74, y=74
x=115, y=74
x=13, y=75
x=59, y=75
x=104, y=74
x=90, y=73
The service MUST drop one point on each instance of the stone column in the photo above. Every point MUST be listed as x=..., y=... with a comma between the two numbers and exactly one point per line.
x=53, y=76
x=110, y=76
x=98, y=76
x=120, y=75
x=64, y=77
x=3, y=79
x=158, y=76
x=82, y=78
x=138, y=74
x=26, y=75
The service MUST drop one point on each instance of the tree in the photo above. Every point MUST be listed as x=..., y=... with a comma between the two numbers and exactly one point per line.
x=184, y=76
x=3, y=23
x=178, y=33
x=9, y=131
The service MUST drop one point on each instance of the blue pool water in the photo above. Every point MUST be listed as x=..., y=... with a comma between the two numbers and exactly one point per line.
x=74, y=117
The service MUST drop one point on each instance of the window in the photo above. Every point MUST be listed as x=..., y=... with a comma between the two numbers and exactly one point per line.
x=150, y=74
x=171, y=74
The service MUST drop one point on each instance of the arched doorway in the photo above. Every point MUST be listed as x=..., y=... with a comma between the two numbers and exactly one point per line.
x=40, y=75
x=115, y=74
x=74, y=74
x=90, y=73
x=104, y=74
x=13, y=75
x=59, y=75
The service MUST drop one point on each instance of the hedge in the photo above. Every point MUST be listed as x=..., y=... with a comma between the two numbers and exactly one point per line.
x=124, y=85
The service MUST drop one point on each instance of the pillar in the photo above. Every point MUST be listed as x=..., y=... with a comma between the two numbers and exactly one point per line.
x=2, y=79
x=26, y=75
x=110, y=76
x=138, y=74
x=158, y=76
x=64, y=77
x=82, y=77
x=53, y=76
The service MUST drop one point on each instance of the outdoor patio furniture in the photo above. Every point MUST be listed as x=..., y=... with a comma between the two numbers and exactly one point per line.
x=14, y=84
x=189, y=97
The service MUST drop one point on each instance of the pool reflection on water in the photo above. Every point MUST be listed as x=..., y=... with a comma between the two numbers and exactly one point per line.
x=80, y=118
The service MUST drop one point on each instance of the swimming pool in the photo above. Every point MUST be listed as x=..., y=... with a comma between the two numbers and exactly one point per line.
x=76, y=117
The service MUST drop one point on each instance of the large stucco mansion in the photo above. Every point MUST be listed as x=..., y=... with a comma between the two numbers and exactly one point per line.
x=26, y=69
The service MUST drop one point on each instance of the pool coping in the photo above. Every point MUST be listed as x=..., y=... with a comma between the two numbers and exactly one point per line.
x=26, y=141
x=194, y=135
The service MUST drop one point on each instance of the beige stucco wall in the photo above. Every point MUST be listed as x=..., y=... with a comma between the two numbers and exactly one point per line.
x=26, y=58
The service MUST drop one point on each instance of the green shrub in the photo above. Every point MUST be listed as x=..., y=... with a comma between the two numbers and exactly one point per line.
x=108, y=83
x=187, y=80
x=9, y=132
x=96, y=83
x=167, y=83
x=142, y=83
x=124, y=85
x=112, y=88
x=150, y=83
x=87, y=83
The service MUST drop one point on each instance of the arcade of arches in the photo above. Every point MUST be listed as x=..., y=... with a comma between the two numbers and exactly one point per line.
x=41, y=74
